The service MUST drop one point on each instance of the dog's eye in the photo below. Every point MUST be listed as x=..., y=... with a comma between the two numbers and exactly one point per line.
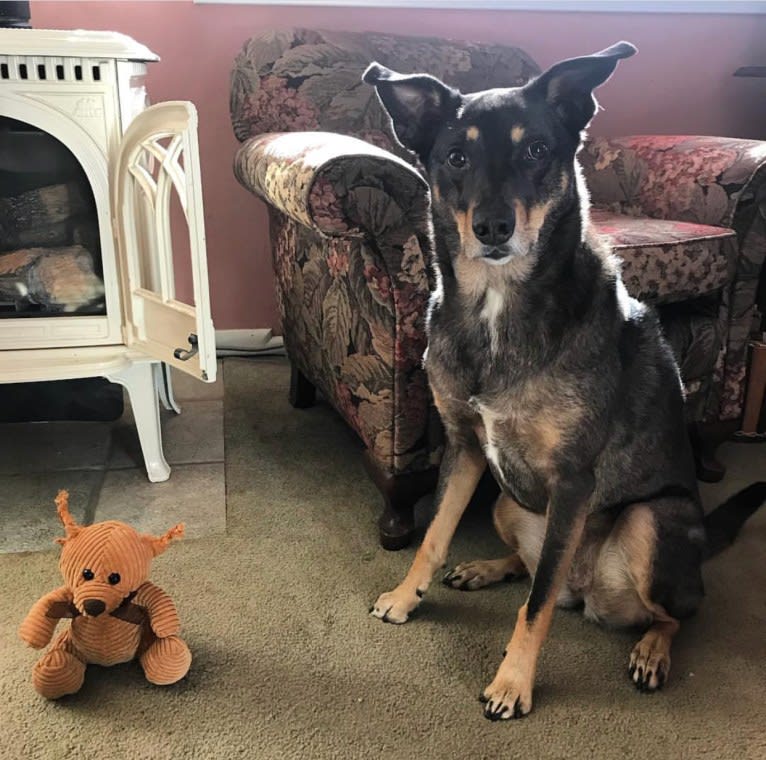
x=114, y=578
x=88, y=574
x=457, y=159
x=537, y=150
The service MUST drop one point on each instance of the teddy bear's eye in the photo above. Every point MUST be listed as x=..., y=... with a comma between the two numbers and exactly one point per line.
x=114, y=578
x=88, y=574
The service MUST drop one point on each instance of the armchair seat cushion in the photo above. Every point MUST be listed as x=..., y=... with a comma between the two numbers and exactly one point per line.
x=668, y=261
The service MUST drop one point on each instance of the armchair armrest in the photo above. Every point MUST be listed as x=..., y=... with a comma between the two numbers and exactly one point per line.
x=675, y=177
x=720, y=181
x=337, y=185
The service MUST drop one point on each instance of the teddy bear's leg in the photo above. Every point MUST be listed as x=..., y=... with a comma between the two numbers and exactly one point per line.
x=59, y=671
x=166, y=660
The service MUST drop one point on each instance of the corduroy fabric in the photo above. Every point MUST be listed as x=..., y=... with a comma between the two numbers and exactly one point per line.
x=107, y=565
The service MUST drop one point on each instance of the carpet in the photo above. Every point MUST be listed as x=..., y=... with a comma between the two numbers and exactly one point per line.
x=288, y=664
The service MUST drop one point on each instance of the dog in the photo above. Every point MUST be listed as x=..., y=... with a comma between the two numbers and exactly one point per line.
x=543, y=367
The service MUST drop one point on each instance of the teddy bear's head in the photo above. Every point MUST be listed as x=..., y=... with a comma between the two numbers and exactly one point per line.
x=105, y=562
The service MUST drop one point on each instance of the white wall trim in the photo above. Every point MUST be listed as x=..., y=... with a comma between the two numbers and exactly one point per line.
x=572, y=6
x=241, y=342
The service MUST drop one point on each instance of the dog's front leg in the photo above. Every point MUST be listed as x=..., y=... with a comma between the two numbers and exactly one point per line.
x=460, y=472
x=510, y=693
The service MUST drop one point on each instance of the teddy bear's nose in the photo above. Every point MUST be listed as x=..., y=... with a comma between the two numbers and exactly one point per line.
x=94, y=607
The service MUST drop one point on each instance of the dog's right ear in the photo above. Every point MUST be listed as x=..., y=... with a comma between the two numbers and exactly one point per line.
x=417, y=104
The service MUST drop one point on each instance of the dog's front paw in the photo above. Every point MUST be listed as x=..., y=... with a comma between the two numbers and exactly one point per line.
x=507, y=697
x=395, y=606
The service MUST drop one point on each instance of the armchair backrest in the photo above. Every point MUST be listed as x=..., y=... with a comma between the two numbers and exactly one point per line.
x=300, y=79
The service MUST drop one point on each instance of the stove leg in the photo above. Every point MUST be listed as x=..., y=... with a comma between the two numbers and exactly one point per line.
x=164, y=383
x=138, y=380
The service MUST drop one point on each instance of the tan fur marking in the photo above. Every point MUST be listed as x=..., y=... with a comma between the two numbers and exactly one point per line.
x=516, y=675
x=527, y=638
x=650, y=659
x=472, y=276
x=507, y=516
x=639, y=542
x=515, y=679
x=464, y=221
x=472, y=133
x=529, y=221
x=484, y=572
x=517, y=133
x=536, y=216
x=620, y=590
x=536, y=419
x=436, y=193
x=481, y=434
x=545, y=435
x=515, y=564
x=466, y=472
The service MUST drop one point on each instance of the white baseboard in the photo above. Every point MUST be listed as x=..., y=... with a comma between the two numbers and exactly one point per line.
x=241, y=342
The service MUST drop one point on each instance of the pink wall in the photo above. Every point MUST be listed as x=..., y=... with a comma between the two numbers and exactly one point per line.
x=680, y=83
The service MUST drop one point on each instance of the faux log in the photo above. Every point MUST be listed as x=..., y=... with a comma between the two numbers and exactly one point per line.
x=58, y=279
x=82, y=231
x=41, y=216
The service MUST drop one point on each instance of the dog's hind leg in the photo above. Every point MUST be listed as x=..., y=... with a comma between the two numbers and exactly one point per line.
x=647, y=573
x=469, y=576
x=460, y=472
x=650, y=658
x=508, y=515
x=664, y=564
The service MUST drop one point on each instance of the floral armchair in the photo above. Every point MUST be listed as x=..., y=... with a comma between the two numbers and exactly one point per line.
x=349, y=231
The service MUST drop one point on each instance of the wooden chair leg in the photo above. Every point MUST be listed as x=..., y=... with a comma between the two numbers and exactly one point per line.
x=400, y=494
x=756, y=388
x=706, y=438
x=302, y=391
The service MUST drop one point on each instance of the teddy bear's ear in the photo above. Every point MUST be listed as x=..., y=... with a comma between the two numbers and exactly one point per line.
x=158, y=544
x=62, y=507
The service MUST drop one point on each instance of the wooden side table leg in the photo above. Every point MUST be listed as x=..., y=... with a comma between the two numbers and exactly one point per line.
x=756, y=388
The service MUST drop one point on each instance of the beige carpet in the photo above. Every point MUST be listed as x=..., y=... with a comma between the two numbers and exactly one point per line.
x=287, y=662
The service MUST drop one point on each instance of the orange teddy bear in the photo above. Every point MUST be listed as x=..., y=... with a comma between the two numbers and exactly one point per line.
x=117, y=614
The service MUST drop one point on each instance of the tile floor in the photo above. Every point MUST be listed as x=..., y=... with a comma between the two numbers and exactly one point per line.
x=100, y=464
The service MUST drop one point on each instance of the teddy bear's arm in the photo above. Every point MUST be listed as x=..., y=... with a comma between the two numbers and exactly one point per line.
x=40, y=622
x=163, y=616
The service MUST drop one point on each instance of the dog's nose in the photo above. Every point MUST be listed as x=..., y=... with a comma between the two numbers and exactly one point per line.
x=94, y=607
x=493, y=230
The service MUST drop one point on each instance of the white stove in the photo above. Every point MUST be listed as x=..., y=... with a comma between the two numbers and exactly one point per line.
x=78, y=98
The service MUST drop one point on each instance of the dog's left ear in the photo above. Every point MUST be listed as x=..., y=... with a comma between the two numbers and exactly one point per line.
x=417, y=103
x=569, y=85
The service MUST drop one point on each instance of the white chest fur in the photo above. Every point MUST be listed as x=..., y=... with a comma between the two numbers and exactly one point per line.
x=494, y=302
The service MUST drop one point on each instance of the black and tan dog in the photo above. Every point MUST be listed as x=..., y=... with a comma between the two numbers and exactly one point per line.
x=542, y=366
